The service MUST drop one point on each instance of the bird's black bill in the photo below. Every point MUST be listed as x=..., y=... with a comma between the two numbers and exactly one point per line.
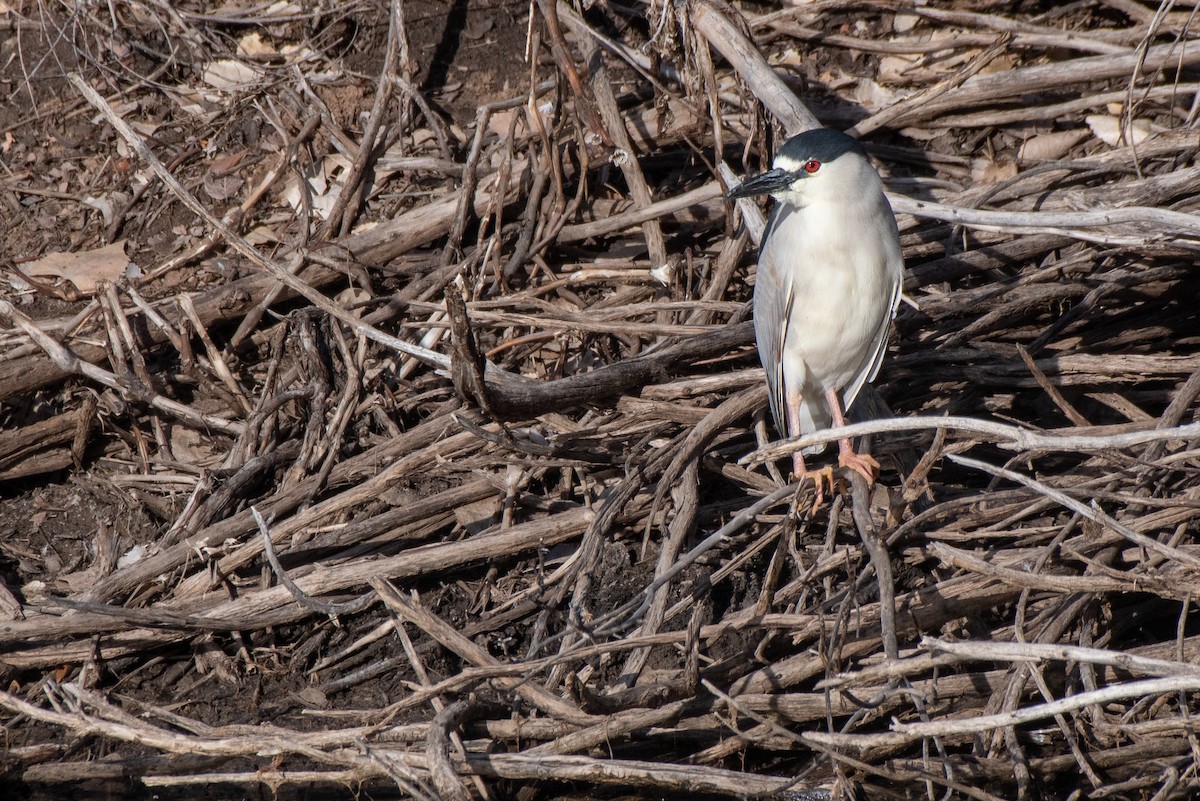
x=764, y=184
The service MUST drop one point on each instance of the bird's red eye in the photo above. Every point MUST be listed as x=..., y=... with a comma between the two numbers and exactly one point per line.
x=811, y=166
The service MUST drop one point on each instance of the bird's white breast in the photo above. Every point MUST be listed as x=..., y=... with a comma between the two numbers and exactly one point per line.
x=841, y=278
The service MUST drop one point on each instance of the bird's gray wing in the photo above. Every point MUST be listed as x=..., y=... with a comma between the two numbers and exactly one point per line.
x=773, y=295
x=871, y=365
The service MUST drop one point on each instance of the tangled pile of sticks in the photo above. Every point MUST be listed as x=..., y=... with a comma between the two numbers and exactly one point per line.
x=453, y=476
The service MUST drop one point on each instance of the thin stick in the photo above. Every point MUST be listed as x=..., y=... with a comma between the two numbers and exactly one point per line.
x=1004, y=436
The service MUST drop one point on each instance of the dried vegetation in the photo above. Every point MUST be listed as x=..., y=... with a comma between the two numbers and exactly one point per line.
x=398, y=425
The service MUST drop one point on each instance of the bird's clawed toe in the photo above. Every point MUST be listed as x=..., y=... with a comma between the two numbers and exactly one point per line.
x=862, y=463
x=821, y=479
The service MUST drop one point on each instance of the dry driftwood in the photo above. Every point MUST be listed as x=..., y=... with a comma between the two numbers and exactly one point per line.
x=477, y=459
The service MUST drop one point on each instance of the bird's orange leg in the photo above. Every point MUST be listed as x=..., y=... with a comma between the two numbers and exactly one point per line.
x=821, y=478
x=862, y=463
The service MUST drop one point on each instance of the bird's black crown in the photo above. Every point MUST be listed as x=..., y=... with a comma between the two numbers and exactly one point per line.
x=822, y=144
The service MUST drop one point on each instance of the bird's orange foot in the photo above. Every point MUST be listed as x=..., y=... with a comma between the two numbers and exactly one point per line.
x=862, y=463
x=821, y=479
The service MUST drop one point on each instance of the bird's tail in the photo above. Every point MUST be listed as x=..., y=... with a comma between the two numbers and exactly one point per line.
x=814, y=416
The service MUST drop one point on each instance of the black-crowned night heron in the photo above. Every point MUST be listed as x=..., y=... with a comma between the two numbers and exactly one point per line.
x=827, y=286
